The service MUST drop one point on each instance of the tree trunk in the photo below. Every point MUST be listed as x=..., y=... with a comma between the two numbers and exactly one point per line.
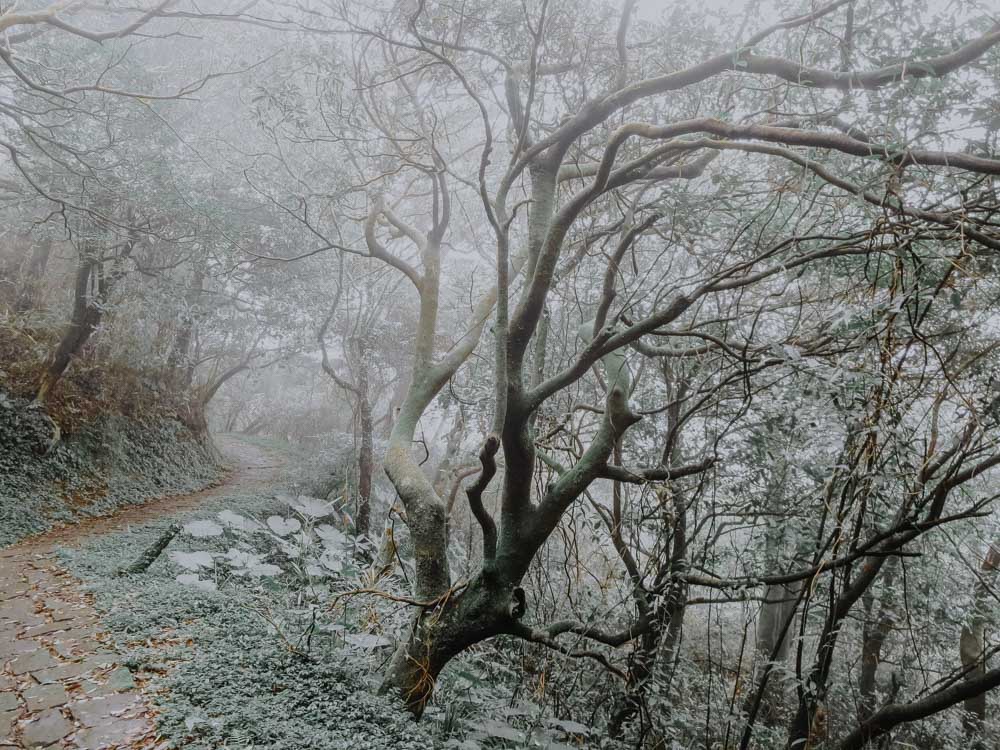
x=147, y=558
x=197, y=418
x=808, y=724
x=255, y=426
x=178, y=361
x=454, y=621
x=972, y=648
x=31, y=281
x=874, y=634
x=487, y=607
x=780, y=600
x=772, y=646
x=96, y=279
x=666, y=614
x=366, y=460
x=445, y=471
x=84, y=320
x=425, y=517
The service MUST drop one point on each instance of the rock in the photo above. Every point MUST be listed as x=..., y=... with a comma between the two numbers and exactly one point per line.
x=121, y=680
x=9, y=631
x=50, y=726
x=44, y=629
x=79, y=630
x=40, y=697
x=97, y=711
x=76, y=647
x=13, y=590
x=93, y=689
x=16, y=647
x=7, y=719
x=20, y=611
x=119, y=734
x=32, y=662
x=72, y=670
x=60, y=609
x=9, y=702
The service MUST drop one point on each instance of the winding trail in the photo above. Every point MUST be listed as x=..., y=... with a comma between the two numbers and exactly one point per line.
x=61, y=682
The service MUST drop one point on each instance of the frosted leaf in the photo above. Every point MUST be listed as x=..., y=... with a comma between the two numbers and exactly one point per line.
x=331, y=536
x=367, y=640
x=191, y=560
x=570, y=727
x=283, y=526
x=203, y=529
x=312, y=506
x=247, y=563
x=238, y=522
x=317, y=571
x=192, y=579
x=331, y=561
x=495, y=728
x=239, y=558
x=263, y=569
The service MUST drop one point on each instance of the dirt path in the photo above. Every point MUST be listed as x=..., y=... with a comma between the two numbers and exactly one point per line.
x=61, y=685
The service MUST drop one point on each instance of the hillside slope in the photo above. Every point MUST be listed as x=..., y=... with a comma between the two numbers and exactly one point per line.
x=112, y=461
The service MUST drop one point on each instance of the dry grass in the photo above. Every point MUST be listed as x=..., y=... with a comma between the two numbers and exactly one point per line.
x=90, y=387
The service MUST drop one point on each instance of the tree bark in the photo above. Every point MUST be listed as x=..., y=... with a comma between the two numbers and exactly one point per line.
x=874, y=633
x=425, y=511
x=666, y=613
x=31, y=280
x=155, y=550
x=366, y=459
x=85, y=318
x=772, y=646
x=779, y=603
x=198, y=411
x=972, y=649
x=489, y=606
x=96, y=279
x=892, y=715
x=179, y=363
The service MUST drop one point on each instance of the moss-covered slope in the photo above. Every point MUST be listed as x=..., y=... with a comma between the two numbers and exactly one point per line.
x=111, y=462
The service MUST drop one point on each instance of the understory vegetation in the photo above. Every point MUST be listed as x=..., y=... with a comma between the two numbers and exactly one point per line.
x=107, y=463
x=111, y=435
x=237, y=651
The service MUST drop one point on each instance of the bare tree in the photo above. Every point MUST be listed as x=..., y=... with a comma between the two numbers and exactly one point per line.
x=99, y=269
x=547, y=162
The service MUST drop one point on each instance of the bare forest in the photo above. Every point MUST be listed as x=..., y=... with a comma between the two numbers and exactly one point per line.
x=500, y=374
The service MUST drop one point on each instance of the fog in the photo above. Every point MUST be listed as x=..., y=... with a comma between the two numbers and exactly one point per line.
x=554, y=373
